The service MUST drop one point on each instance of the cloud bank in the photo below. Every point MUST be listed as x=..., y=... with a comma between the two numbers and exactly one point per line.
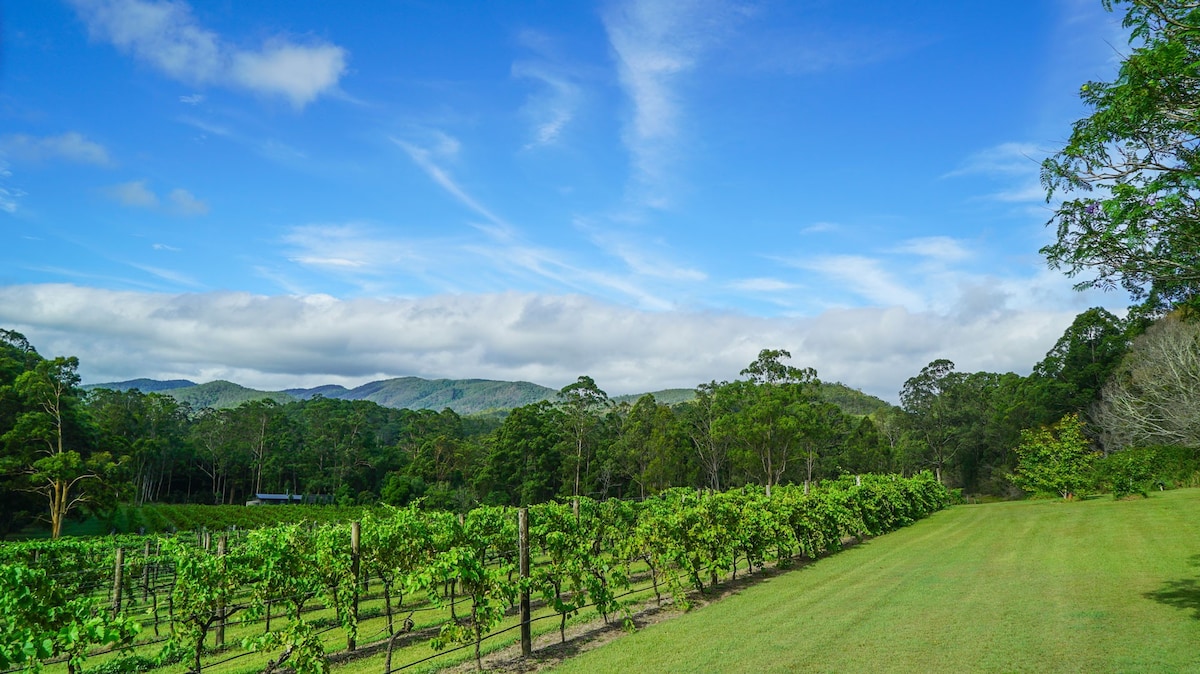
x=282, y=341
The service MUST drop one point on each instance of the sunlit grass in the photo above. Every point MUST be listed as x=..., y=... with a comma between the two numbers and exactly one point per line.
x=1039, y=586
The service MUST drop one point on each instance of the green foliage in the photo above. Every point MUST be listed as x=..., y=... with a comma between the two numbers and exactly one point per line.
x=1069, y=379
x=588, y=556
x=205, y=592
x=1055, y=460
x=42, y=620
x=1135, y=156
x=1129, y=472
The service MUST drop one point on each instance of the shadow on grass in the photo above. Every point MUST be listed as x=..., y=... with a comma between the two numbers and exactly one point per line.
x=1183, y=593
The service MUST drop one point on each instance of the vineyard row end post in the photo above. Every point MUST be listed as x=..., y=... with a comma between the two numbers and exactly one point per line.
x=523, y=549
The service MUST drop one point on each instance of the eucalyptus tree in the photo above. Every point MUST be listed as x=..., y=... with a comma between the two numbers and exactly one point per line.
x=582, y=404
x=148, y=428
x=700, y=419
x=525, y=457
x=50, y=440
x=866, y=450
x=1070, y=377
x=651, y=450
x=768, y=423
x=214, y=438
x=825, y=429
x=929, y=413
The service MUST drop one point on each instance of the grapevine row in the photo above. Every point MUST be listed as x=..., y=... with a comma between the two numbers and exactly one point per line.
x=587, y=554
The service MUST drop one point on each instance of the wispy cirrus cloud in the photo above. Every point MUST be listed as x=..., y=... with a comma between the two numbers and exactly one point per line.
x=71, y=146
x=427, y=158
x=352, y=248
x=9, y=195
x=763, y=285
x=505, y=250
x=866, y=277
x=817, y=50
x=552, y=107
x=648, y=259
x=820, y=227
x=655, y=44
x=171, y=275
x=1013, y=170
x=938, y=248
x=1006, y=159
x=167, y=36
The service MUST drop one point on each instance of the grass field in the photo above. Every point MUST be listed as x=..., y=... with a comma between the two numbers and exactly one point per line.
x=1035, y=586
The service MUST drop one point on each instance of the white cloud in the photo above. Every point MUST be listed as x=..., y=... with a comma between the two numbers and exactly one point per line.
x=133, y=193
x=138, y=194
x=937, y=248
x=194, y=99
x=299, y=73
x=186, y=203
x=71, y=146
x=282, y=341
x=166, y=35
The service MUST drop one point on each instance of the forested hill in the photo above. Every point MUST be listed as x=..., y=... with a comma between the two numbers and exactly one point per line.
x=465, y=396
x=143, y=385
x=851, y=400
x=223, y=395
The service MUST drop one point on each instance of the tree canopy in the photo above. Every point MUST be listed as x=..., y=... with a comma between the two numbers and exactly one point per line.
x=1130, y=171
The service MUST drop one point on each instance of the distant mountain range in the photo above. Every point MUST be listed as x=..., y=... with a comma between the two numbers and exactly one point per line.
x=465, y=396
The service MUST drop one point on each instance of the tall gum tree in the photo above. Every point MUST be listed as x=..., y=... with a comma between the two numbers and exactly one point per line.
x=770, y=423
x=53, y=428
x=582, y=403
x=929, y=412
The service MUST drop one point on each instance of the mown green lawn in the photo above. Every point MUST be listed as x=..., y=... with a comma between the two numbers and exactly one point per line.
x=1036, y=586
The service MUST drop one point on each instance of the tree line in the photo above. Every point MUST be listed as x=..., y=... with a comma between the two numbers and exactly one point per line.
x=69, y=452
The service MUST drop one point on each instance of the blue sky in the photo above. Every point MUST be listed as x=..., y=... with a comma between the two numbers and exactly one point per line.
x=291, y=194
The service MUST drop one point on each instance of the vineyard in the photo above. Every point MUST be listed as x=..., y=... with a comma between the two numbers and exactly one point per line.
x=392, y=584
